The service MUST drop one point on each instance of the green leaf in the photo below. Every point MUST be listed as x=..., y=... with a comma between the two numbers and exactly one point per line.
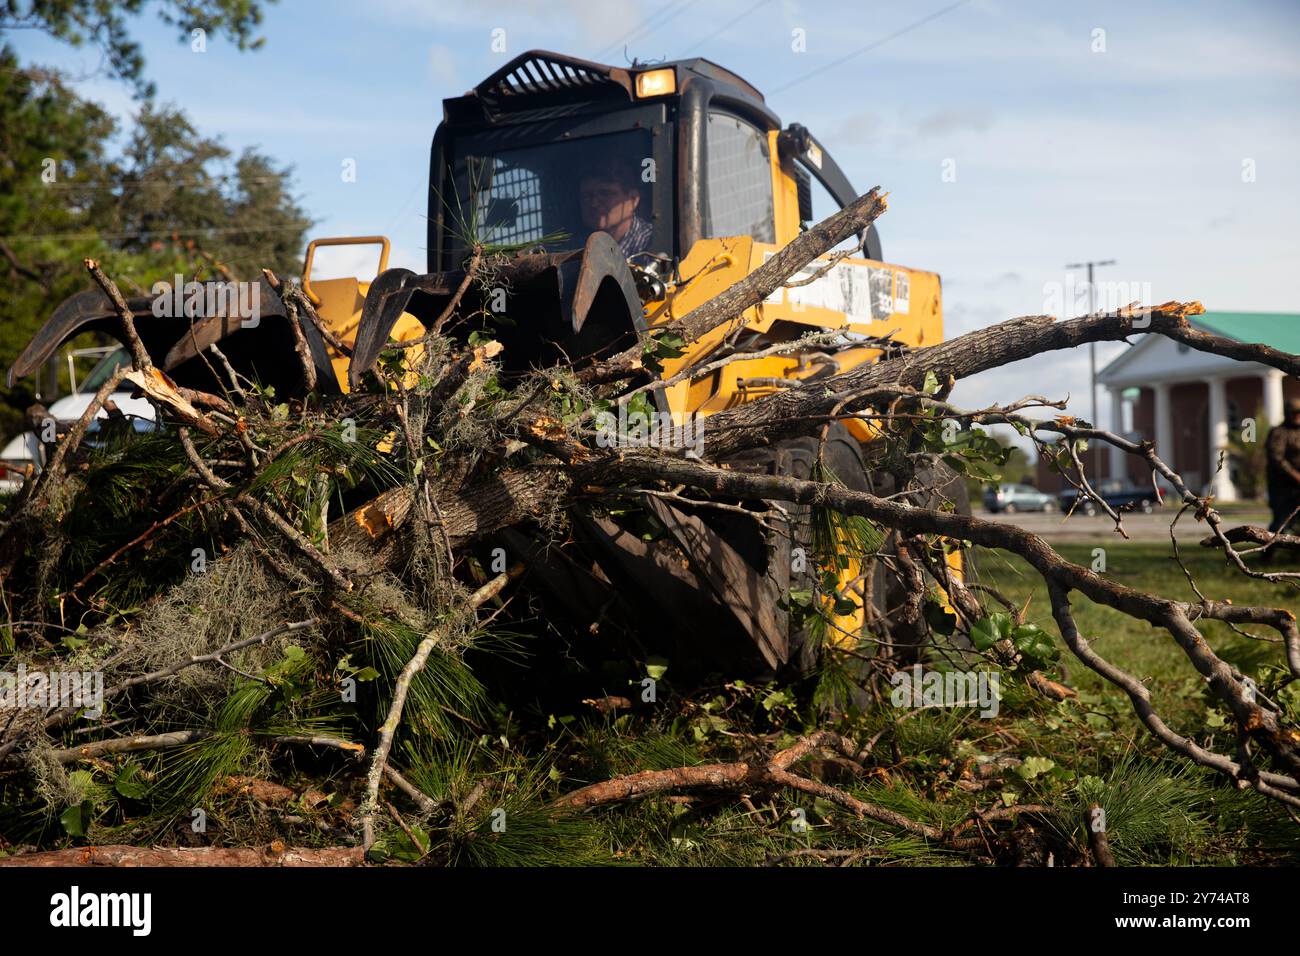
x=1032, y=641
x=845, y=606
x=129, y=782
x=802, y=597
x=1027, y=635
x=1034, y=766
x=656, y=667
x=778, y=698
x=76, y=819
x=987, y=631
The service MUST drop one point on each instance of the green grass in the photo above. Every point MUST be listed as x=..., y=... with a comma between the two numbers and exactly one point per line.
x=1161, y=807
x=1142, y=650
x=934, y=766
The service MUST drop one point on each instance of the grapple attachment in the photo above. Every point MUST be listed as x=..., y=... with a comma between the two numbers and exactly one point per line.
x=176, y=327
x=542, y=307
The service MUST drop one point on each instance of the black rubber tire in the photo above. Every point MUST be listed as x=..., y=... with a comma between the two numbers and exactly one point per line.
x=946, y=486
x=843, y=457
x=797, y=458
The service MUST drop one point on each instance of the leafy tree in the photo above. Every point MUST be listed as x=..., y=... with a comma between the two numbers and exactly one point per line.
x=104, y=24
x=1250, y=458
x=172, y=202
x=175, y=186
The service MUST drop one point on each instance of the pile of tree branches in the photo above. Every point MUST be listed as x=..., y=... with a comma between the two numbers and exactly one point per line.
x=284, y=601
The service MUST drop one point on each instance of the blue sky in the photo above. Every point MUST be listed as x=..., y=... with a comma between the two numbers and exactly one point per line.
x=1061, y=151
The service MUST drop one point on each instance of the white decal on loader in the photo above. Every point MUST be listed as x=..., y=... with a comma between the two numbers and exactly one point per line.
x=862, y=293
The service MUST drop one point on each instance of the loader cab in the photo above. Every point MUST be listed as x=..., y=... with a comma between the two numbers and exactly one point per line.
x=693, y=145
x=696, y=184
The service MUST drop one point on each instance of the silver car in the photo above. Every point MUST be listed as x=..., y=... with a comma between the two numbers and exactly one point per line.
x=1008, y=499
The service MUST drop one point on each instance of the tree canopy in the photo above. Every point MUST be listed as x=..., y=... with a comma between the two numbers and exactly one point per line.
x=170, y=200
x=104, y=24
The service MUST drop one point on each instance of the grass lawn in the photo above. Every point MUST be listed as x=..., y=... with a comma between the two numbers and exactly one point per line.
x=1098, y=735
x=1149, y=653
x=945, y=766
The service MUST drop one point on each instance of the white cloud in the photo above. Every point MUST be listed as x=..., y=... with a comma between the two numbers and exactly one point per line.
x=442, y=66
x=528, y=23
x=948, y=121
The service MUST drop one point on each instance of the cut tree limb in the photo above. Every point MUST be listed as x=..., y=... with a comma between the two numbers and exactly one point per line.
x=1172, y=616
x=1250, y=534
x=277, y=854
x=756, y=286
x=389, y=729
x=742, y=775
x=486, y=504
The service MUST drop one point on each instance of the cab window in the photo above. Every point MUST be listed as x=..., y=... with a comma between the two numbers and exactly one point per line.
x=738, y=188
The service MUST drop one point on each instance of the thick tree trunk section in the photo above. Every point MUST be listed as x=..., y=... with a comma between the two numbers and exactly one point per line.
x=121, y=855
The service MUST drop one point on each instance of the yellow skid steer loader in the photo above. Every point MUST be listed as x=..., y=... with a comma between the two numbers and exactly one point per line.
x=594, y=204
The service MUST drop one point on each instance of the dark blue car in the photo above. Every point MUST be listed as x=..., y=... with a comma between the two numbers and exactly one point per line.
x=1120, y=495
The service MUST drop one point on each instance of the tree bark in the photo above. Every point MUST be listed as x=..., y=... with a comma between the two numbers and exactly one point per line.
x=277, y=854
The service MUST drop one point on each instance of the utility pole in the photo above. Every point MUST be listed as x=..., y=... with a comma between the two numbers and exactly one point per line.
x=1092, y=353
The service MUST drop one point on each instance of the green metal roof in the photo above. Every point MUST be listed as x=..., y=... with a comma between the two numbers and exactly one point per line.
x=1278, y=329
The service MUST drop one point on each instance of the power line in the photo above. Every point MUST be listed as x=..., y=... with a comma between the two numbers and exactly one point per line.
x=653, y=22
x=723, y=29
x=154, y=181
x=870, y=46
x=639, y=28
x=163, y=233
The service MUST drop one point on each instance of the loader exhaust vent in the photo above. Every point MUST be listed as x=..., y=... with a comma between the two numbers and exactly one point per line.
x=539, y=78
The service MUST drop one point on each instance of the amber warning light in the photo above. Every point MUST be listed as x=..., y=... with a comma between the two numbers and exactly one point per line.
x=656, y=83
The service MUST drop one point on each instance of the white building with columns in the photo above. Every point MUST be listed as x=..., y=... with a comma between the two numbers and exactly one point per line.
x=1191, y=402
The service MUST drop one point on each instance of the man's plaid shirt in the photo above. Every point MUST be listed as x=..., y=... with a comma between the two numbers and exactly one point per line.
x=637, y=238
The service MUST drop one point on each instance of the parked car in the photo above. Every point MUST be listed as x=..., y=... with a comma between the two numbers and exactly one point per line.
x=1008, y=499
x=17, y=461
x=24, y=455
x=1118, y=494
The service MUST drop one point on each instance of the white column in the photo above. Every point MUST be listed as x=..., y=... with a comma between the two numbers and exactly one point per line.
x=1118, y=459
x=1221, y=481
x=1273, y=378
x=1164, y=425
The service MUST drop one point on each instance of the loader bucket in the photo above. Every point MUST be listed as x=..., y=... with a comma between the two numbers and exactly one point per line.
x=542, y=307
x=259, y=346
